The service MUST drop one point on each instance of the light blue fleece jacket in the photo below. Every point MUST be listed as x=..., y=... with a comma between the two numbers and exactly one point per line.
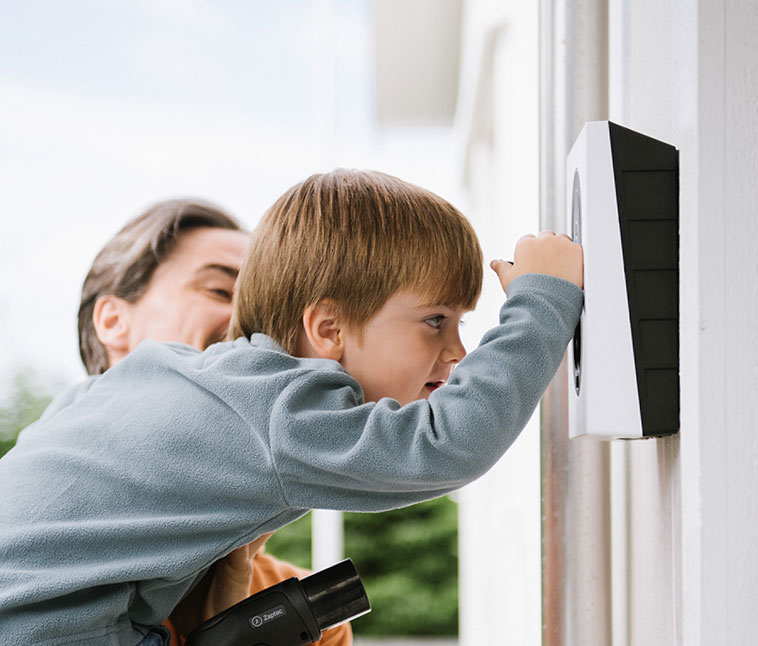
x=114, y=507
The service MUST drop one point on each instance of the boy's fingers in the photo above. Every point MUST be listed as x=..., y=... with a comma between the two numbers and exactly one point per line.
x=503, y=269
x=550, y=253
x=500, y=264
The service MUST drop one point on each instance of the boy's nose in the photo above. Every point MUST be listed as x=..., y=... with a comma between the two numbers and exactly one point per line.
x=454, y=350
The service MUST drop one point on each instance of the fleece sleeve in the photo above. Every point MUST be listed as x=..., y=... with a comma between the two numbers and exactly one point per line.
x=330, y=452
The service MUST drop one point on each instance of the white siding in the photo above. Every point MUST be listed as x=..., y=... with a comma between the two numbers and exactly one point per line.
x=498, y=119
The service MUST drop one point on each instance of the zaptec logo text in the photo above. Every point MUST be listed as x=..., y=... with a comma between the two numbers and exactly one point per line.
x=267, y=615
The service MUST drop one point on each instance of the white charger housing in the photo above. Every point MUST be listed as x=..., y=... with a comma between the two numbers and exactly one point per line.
x=623, y=208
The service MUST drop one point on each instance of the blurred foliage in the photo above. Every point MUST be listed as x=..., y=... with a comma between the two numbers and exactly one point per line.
x=292, y=543
x=408, y=562
x=23, y=405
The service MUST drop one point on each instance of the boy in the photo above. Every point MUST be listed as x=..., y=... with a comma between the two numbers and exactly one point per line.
x=337, y=392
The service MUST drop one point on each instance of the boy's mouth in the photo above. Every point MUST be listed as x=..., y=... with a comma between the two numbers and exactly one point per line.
x=433, y=385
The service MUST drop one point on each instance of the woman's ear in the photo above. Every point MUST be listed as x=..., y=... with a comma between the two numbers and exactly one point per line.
x=110, y=318
x=323, y=336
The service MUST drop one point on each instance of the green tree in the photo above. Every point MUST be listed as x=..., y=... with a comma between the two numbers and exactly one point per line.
x=293, y=543
x=408, y=562
x=25, y=403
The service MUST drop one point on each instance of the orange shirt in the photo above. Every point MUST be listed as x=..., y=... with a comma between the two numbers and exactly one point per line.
x=268, y=571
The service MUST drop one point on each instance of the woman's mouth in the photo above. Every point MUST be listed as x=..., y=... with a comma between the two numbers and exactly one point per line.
x=431, y=386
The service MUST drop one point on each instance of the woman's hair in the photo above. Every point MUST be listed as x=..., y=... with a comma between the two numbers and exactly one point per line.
x=356, y=237
x=126, y=263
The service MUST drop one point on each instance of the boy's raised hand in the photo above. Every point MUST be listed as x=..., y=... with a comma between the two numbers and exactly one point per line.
x=546, y=253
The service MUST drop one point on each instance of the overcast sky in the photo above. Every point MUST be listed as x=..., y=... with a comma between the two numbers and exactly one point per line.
x=109, y=105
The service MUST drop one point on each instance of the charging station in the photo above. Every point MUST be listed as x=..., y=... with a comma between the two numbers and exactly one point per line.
x=623, y=208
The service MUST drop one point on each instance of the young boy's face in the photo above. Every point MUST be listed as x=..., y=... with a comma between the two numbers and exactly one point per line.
x=406, y=350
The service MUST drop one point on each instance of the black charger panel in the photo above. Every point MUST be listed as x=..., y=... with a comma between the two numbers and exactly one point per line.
x=646, y=173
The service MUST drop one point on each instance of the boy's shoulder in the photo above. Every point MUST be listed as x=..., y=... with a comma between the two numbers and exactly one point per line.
x=257, y=353
x=68, y=396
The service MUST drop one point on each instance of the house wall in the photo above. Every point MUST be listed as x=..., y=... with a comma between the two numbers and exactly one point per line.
x=714, y=118
x=576, y=492
x=497, y=121
x=683, y=512
x=650, y=541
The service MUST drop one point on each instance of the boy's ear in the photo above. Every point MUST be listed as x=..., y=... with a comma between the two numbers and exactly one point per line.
x=323, y=331
x=110, y=318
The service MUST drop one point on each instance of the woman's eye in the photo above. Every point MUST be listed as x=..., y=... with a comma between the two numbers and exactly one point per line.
x=435, y=321
x=223, y=293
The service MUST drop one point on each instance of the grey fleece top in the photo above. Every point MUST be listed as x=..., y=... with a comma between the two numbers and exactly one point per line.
x=113, y=507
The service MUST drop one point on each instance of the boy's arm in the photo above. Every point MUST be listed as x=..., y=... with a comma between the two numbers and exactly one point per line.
x=334, y=454
x=330, y=452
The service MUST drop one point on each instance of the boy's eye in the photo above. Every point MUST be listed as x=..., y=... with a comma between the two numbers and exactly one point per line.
x=435, y=321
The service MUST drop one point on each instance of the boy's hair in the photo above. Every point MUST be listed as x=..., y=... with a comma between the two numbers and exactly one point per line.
x=356, y=237
x=126, y=263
